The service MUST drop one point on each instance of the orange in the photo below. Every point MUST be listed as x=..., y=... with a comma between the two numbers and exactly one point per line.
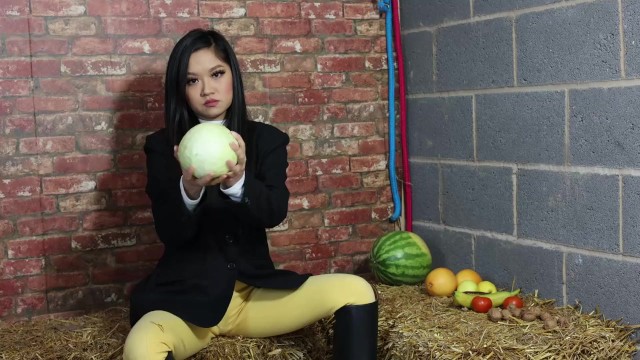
x=468, y=274
x=440, y=282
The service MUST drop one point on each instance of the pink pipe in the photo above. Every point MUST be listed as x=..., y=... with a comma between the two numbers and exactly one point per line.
x=403, y=117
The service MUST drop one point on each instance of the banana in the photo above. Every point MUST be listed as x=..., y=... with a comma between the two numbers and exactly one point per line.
x=497, y=298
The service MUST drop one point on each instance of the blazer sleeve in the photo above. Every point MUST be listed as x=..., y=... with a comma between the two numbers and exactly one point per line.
x=174, y=223
x=265, y=198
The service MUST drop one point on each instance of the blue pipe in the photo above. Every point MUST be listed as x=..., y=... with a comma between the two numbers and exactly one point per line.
x=385, y=7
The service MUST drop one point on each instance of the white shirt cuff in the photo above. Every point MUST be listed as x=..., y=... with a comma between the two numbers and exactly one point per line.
x=190, y=204
x=235, y=192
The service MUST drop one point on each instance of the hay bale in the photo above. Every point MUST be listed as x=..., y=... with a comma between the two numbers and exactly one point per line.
x=412, y=326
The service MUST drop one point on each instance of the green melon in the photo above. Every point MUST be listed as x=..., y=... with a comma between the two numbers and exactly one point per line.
x=400, y=258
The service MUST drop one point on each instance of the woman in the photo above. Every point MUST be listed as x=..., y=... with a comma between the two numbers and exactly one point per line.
x=216, y=276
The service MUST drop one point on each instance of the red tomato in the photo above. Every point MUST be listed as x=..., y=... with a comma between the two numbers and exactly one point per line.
x=515, y=300
x=481, y=304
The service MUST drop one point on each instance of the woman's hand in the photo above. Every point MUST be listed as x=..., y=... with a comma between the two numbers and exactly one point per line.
x=235, y=170
x=192, y=185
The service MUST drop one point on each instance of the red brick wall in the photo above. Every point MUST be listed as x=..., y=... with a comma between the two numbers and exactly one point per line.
x=80, y=87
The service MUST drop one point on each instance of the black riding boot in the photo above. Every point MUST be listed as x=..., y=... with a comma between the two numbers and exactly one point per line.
x=355, y=332
x=169, y=356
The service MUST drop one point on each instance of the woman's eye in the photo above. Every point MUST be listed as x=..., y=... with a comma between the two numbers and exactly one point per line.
x=218, y=73
x=192, y=81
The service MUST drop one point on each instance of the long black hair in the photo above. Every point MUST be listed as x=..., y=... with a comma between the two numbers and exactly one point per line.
x=178, y=116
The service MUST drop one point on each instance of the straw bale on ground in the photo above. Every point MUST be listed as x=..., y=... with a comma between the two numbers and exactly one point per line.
x=412, y=326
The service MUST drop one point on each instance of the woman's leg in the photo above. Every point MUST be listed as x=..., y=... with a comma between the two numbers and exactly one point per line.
x=159, y=332
x=269, y=312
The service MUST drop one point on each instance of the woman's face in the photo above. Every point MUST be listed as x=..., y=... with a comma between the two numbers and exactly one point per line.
x=209, y=85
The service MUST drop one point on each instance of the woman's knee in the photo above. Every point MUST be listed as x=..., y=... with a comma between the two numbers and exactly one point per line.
x=146, y=340
x=361, y=290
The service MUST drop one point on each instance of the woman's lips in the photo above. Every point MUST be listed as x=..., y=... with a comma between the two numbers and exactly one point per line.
x=211, y=103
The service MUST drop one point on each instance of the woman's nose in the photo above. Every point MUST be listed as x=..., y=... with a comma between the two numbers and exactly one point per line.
x=208, y=87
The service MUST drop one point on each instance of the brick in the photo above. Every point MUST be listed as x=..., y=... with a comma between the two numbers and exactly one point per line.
x=290, y=81
x=297, y=168
x=12, y=268
x=308, y=201
x=312, y=97
x=573, y=50
x=6, y=106
x=286, y=256
x=36, y=46
x=175, y=8
x=57, y=8
x=117, y=8
x=354, y=45
x=139, y=120
x=82, y=26
x=319, y=251
x=302, y=185
x=372, y=230
x=308, y=267
x=93, y=46
x=98, y=220
x=180, y=26
x=222, y=9
x=354, y=247
x=332, y=27
x=283, y=114
x=354, y=95
x=15, y=87
x=131, y=160
x=71, y=123
x=327, y=80
x=299, y=63
x=573, y=209
x=8, y=146
x=6, y=228
x=140, y=217
x=259, y=64
x=336, y=165
x=294, y=237
x=38, y=247
x=252, y=45
x=297, y=45
x=269, y=97
x=147, y=253
x=25, y=166
x=361, y=129
x=316, y=10
x=332, y=147
x=26, y=186
x=70, y=86
x=347, y=216
x=368, y=163
x=310, y=131
x=334, y=63
x=68, y=263
x=236, y=27
x=362, y=11
x=56, y=281
x=110, y=102
x=6, y=306
x=340, y=181
x=46, y=144
x=331, y=234
x=416, y=13
x=31, y=304
x=370, y=28
x=351, y=198
x=67, y=184
x=84, y=298
x=381, y=213
x=10, y=68
x=131, y=26
x=11, y=287
x=270, y=9
x=47, y=225
x=291, y=27
x=136, y=84
x=144, y=46
x=83, y=202
x=130, y=198
x=44, y=104
x=103, y=240
x=82, y=163
x=93, y=67
x=22, y=206
x=376, y=62
x=447, y=133
x=14, y=8
x=307, y=219
x=21, y=25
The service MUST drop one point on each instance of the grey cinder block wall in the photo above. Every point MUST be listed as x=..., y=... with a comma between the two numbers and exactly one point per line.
x=524, y=143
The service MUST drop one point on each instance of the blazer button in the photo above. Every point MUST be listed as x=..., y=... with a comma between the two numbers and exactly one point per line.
x=231, y=266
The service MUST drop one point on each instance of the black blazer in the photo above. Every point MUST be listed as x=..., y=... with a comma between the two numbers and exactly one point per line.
x=221, y=241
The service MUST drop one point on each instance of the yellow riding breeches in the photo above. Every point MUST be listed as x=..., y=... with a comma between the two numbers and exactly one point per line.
x=253, y=312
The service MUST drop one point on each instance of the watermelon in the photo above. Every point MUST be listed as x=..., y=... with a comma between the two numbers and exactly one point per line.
x=400, y=258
